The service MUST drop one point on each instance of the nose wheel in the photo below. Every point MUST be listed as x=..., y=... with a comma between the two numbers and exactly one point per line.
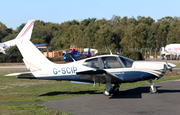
x=153, y=89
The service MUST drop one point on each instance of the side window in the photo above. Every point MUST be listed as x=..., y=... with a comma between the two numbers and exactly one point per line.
x=93, y=63
x=111, y=62
x=127, y=63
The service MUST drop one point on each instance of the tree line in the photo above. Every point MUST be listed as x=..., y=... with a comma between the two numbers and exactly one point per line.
x=140, y=32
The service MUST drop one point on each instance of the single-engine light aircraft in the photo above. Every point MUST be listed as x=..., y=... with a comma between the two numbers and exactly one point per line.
x=107, y=69
x=28, y=27
x=73, y=54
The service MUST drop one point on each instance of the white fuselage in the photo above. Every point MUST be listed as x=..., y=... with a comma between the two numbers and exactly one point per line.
x=140, y=70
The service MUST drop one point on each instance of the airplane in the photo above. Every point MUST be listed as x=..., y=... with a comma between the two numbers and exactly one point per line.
x=74, y=54
x=28, y=27
x=107, y=69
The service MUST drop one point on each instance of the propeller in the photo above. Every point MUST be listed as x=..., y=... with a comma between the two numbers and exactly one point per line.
x=168, y=66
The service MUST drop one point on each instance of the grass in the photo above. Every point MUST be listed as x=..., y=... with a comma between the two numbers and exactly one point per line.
x=24, y=90
x=28, y=109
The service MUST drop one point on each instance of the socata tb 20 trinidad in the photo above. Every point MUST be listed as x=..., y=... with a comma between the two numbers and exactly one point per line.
x=107, y=69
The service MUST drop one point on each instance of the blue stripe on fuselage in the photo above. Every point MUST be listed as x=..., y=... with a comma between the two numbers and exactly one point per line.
x=133, y=76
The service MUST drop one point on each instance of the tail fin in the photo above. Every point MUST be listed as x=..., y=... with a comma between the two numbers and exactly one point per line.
x=27, y=30
x=89, y=52
x=32, y=57
x=24, y=35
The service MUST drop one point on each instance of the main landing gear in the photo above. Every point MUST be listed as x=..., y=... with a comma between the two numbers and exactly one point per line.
x=153, y=89
x=110, y=90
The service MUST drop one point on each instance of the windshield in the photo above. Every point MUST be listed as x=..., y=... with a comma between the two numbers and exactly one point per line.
x=126, y=61
x=93, y=63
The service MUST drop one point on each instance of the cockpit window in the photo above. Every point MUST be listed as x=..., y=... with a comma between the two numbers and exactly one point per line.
x=126, y=61
x=93, y=63
x=111, y=62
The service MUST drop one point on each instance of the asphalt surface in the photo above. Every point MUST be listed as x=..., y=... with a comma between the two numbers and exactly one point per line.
x=132, y=101
x=14, y=68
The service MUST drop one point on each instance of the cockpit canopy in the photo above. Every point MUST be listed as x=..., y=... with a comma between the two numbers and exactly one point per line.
x=107, y=62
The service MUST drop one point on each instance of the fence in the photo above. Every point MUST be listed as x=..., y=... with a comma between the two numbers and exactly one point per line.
x=148, y=53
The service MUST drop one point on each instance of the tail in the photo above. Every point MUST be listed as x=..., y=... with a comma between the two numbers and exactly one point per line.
x=24, y=35
x=32, y=57
x=26, y=31
x=89, y=52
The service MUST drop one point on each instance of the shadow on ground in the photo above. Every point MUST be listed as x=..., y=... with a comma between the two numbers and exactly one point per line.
x=61, y=92
x=137, y=92
x=127, y=93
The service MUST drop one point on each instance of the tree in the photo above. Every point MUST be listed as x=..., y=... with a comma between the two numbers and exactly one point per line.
x=4, y=31
x=128, y=39
x=104, y=38
x=174, y=33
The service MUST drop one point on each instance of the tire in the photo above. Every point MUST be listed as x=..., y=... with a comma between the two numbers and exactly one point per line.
x=106, y=93
x=153, y=91
x=115, y=89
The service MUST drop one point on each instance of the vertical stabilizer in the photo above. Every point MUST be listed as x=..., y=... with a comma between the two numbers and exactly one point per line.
x=32, y=57
x=26, y=31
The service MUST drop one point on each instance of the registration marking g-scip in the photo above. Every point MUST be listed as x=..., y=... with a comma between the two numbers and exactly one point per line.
x=65, y=70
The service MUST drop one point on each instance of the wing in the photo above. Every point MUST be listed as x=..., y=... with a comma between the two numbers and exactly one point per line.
x=98, y=75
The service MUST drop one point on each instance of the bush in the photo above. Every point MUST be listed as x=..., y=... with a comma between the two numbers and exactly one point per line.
x=3, y=58
x=134, y=55
x=13, y=55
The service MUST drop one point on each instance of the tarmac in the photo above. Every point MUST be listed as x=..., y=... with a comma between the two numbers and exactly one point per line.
x=14, y=68
x=133, y=101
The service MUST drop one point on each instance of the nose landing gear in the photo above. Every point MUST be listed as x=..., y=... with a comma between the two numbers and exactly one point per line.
x=153, y=89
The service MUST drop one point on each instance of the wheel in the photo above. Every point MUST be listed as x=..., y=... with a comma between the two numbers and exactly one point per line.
x=154, y=90
x=115, y=89
x=106, y=93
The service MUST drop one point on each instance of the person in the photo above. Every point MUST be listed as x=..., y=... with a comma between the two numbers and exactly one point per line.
x=106, y=65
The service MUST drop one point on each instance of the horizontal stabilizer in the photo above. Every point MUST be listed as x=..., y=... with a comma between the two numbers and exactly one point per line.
x=24, y=75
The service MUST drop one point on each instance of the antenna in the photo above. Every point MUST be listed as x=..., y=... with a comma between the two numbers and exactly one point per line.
x=110, y=51
x=168, y=66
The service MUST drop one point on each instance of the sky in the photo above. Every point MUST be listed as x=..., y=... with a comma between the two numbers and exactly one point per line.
x=15, y=12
